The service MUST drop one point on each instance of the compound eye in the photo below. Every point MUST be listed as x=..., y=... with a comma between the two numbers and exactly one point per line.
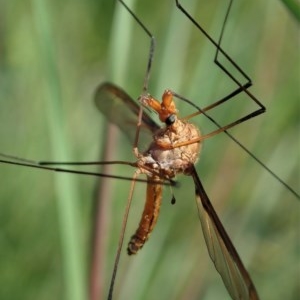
x=170, y=119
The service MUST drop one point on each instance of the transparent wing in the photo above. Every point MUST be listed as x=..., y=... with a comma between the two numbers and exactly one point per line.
x=122, y=111
x=221, y=249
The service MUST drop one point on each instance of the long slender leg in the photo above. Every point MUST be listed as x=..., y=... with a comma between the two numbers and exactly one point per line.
x=121, y=238
x=241, y=87
x=147, y=74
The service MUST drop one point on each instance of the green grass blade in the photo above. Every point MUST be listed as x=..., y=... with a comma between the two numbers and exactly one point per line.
x=65, y=185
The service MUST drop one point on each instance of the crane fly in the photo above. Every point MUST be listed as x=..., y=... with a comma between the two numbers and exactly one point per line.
x=170, y=153
x=174, y=150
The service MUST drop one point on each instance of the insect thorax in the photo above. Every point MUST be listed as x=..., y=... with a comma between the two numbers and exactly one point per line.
x=164, y=158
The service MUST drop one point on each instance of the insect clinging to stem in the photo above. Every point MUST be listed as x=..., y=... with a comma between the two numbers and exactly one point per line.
x=238, y=288
x=178, y=197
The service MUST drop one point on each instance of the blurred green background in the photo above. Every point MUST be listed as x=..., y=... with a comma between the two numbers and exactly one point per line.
x=52, y=56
